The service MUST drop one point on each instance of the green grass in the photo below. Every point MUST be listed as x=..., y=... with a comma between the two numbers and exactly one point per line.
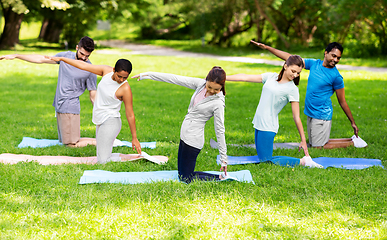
x=46, y=202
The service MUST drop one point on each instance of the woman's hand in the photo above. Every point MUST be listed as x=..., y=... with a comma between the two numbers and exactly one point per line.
x=56, y=59
x=136, y=145
x=224, y=169
x=137, y=76
x=304, y=147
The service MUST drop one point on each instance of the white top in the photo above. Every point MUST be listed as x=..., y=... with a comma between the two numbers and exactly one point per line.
x=106, y=103
x=273, y=99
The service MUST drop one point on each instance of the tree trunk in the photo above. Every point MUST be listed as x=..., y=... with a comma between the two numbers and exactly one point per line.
x=10, y=36
x=260, y=25
x=43, y=28
x=272, y=24
x=234, y=30
x=53, y=31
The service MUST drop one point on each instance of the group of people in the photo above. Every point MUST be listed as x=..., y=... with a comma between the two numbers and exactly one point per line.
x=76, y=74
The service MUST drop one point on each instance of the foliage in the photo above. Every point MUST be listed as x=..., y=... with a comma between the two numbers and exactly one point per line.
x=278, y=23
x=14, y=12
x=314, y=23
x=46, y=202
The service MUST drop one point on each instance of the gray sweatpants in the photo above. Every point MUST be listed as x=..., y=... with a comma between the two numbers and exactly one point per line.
x=106, y=133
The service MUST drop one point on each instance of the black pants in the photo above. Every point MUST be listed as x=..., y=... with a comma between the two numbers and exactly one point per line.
x=186, y=161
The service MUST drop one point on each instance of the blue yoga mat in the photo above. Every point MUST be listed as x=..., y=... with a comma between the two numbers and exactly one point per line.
x=34, y=143
x=101, y=176
x=346, y=163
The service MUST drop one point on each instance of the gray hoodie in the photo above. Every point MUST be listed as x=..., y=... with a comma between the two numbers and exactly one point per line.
x=192, y=129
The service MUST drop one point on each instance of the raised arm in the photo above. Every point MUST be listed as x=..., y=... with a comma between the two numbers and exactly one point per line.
x=281, y=54
x=300, y=128
x=100, y=70
x=32, y=58
x=125, y=93
x=340, y=94
x=189, y=82
x=244, y=78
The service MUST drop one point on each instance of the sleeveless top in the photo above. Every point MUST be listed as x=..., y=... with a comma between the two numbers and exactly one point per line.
x=106, y=103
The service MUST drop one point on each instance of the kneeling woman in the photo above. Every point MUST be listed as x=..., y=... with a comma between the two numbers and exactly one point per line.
x=277, y=91
x=207, y=101
x=112, y=90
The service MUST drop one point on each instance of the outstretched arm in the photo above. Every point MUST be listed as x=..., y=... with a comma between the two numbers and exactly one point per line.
x=125, y=93
x=100, y=70
x=297, y=120
x=189, y=82
x=32, y=58
x=281, y=54
x=340, y=94
x=244, y=78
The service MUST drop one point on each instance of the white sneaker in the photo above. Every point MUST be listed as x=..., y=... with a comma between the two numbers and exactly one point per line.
x=358, y=142
x=310, y=163
x=227, y=177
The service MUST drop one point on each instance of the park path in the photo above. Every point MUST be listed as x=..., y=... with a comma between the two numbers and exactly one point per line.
x=145, y=49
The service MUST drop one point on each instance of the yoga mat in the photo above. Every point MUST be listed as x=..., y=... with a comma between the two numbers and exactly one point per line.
x=101, y=176
x=345, y=163
x=9, y=158
x=288, y=145
x=34, y=143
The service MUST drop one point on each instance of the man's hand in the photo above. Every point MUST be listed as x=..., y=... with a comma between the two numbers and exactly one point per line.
x=8, y=57
x=261, y=45
x=355, y=129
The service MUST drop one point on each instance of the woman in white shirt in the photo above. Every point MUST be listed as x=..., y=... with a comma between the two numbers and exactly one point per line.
x=112, y=90
x=277, y=91
x=206, y=102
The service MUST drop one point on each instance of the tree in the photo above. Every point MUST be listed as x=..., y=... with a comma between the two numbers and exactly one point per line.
x=13, y=12
x=376, y=18
x=272, y=23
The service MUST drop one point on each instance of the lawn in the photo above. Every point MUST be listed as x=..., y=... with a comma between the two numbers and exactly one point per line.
x=46, y=202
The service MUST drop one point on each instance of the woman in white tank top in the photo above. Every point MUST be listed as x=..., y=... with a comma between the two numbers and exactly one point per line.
x=111, y=92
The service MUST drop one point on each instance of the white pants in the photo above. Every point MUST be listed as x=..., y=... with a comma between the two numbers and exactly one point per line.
x=106, y=133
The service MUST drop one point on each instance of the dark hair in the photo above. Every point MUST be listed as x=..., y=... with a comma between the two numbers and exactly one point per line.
x=217, y=75
x=123, y=65
x=334, y=45
x=86, y=43
x=292, y=60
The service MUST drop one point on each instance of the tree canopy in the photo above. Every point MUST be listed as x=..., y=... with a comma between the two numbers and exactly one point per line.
x=361, y=24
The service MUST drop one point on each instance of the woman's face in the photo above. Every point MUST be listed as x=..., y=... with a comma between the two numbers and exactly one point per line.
x=213, y=88
x=291, y=72
x=120, y=76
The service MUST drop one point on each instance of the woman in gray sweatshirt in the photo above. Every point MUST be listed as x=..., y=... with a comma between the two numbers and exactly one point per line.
x=207, y=101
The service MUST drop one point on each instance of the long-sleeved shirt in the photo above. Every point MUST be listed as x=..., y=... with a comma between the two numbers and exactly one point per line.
x=192, y=128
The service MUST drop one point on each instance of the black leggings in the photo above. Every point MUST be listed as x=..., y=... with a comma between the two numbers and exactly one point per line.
x=186, y=161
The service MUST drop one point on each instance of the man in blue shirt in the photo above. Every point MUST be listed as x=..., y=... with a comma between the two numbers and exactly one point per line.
x=72, y=82
x=324, y=80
